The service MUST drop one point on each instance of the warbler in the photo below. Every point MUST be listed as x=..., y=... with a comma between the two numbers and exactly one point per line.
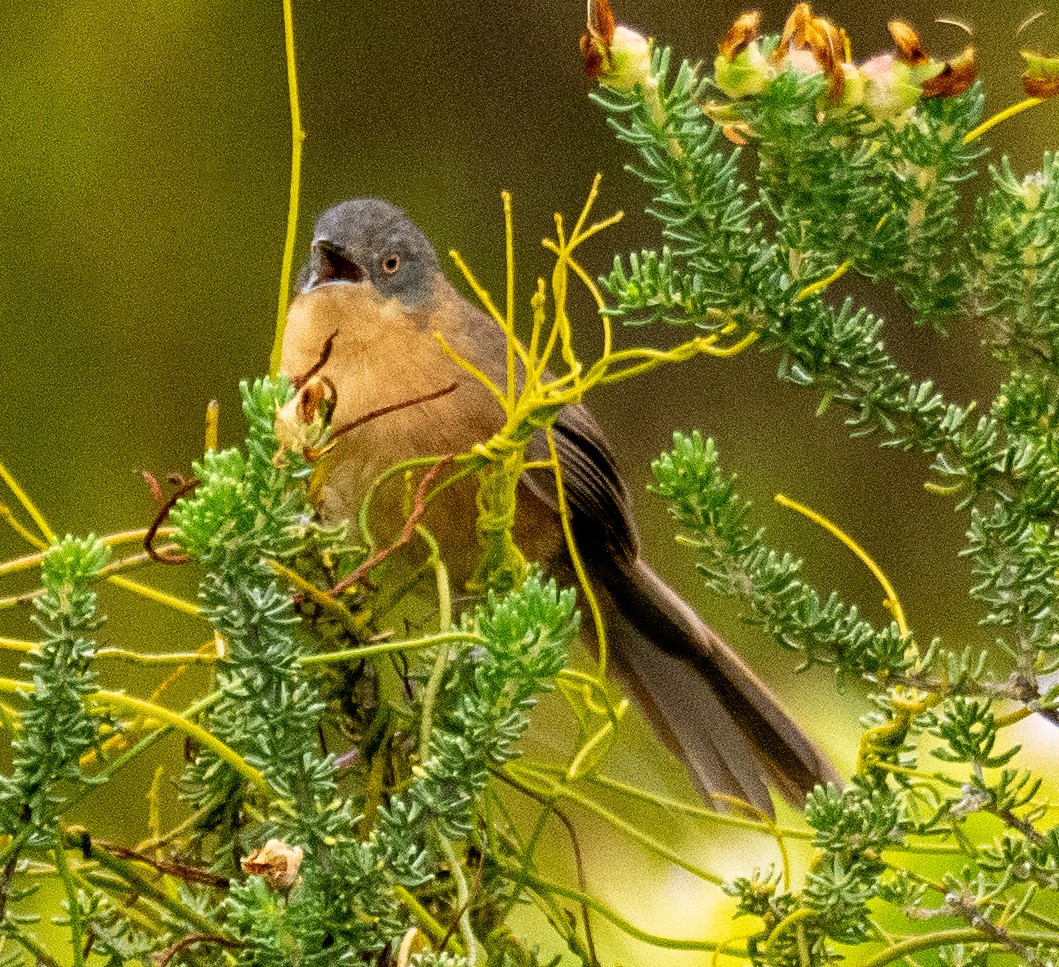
x=373, y=290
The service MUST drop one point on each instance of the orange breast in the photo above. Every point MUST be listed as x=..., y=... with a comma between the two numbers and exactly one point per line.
x=384, y=355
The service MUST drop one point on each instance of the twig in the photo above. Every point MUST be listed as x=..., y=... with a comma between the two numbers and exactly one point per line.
x=189, y=874
x=315, y=454
x=160, y=518
x=195, y=938
x=419, y=507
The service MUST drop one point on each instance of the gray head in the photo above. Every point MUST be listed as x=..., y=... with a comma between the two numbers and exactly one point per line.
x=370, y=240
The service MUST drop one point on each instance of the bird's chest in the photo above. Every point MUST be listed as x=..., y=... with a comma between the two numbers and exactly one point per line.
x=397, y=429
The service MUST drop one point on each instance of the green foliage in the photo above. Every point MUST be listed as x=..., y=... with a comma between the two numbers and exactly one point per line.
x=56, y=728
x=525, y=640
x=835, y=179
x=328, y=883
x=349, y=904
x=244, y=512
x=346, y=789
x=1014, y=265
x=736, y=561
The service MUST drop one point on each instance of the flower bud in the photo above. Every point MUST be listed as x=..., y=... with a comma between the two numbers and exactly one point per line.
x=615, y=55
x=630, y=60
x=889, y=86
x=746, y=74
x=1041, y=77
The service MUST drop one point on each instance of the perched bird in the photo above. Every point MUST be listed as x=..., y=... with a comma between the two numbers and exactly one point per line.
x=373, y=282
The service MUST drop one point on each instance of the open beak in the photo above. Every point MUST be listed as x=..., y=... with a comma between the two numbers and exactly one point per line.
x=331, y=264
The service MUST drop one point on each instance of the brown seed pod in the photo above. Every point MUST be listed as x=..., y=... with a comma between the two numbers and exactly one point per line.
x=740, y=35
x=955, y=77
x=909, y=48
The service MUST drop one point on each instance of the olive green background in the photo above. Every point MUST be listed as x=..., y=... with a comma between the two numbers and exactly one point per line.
x=143, y=196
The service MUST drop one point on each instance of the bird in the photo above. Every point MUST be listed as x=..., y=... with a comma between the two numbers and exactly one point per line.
x=367, y=305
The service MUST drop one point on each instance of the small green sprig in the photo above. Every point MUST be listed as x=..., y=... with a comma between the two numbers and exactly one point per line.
x=735, y=561
x=1014, y=265
x=355, y=903
x=56, y=726
x=488, y=699
x=246, y=511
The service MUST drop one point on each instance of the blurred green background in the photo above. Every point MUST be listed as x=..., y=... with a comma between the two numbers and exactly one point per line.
x=143, y=201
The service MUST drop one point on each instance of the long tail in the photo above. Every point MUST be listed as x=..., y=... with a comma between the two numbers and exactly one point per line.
x=705, y=703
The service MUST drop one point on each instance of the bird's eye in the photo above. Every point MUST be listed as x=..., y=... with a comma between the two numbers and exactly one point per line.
x=391, y=264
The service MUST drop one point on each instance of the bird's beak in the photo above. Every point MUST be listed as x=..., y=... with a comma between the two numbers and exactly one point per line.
x=331, y=264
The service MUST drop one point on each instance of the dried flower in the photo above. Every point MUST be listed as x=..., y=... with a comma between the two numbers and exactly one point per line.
x=909, y=48
x=597, y=38
x=954, y=78
x=740, y=35
x=741, y=68
x=276, y=863
x=301, y=422
x=812, y=45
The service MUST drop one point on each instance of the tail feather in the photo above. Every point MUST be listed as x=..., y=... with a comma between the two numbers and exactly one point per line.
x=710, y=709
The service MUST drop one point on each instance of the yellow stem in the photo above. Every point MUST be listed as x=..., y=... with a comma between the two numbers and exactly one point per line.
x=575, y=557
x=892, y=603
x=822, y=284
x=153, y=594
x=1001, y=116
x=213, y=424
x=509, y=246
x=700, y=812
x=329, y=603
x=577, y=768
x=386, y=647
x=593, y=193
x=563, y=791
x=166, y=658
x=1011, y=718
x=31, y=508
x=626, y=926
x=169, y=717
x=297, y=137
x=792, y=920
x=467, y=365
x=479, y=290
x=19, y=528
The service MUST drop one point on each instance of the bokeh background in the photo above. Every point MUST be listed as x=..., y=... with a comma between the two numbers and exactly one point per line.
x=143, y=197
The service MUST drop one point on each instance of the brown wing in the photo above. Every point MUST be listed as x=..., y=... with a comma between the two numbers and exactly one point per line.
x=602, y=509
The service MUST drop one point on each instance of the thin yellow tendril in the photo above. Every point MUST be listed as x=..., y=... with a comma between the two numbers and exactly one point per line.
x=9, y=518
x=478, y=289
x=821, y=284
x=297, y=137
x=588, y=755
x=153, y=594
x=509, y=251
x=31, y=508
x=213, y=424
x=467, y=365
x=575, y=557
x=891, y=602
x=1001, y=116
x=167, y=716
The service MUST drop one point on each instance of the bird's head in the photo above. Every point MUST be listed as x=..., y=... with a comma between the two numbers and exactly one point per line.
x=370, y=241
